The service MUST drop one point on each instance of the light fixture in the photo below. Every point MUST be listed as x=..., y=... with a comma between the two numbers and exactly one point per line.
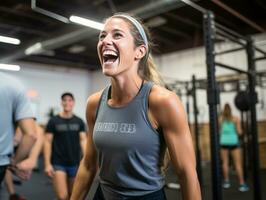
x=75, y=49
x=34, y=49
x=10, y=67
x=9, y=40
x=156, y=22
x=86, y=22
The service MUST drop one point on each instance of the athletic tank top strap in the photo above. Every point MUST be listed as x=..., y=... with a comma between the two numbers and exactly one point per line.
x=103, y=99
x=145, y=90
x=104, y=96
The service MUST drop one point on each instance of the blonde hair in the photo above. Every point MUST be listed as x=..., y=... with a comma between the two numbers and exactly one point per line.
x=227, y=113
x=147, y=68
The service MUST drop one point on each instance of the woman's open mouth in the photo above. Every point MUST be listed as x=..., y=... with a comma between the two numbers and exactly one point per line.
x=109, y=57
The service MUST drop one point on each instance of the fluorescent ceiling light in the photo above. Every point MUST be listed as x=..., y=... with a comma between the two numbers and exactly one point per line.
x=34, y=49
x=156, y=22
x=86, y=22
x=76, y=49
x=9, y=40
x=10, y=67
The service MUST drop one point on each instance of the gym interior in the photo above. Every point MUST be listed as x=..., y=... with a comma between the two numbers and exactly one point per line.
x=210, y=53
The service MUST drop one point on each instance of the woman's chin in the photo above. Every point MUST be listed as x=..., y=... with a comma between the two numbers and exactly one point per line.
x=109, y=70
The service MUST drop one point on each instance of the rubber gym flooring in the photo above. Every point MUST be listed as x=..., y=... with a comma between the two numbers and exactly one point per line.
x=40, y=187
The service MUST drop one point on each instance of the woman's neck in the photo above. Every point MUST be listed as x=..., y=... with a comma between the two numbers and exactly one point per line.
x=124, y=90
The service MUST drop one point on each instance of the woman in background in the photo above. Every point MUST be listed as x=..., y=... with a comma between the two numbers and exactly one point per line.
x=230, y=130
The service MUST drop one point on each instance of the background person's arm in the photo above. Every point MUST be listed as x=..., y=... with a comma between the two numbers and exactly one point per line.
x=83, y=141
x=31, y=161
x=47, y=153
x=238, y=126
x=29, y=136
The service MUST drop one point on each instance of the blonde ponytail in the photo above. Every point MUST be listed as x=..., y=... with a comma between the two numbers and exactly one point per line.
x=149, y=72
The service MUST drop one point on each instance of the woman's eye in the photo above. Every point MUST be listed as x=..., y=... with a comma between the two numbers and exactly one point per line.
x=117, y=35
x=101, y=36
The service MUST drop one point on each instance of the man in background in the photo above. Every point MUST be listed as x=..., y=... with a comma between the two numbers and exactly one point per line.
x=65, y=142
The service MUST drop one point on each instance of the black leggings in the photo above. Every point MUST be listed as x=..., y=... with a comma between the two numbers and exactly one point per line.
x=2, y=172
x=157, y=195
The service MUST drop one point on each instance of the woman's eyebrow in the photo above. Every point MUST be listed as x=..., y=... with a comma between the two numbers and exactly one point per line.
x=102, y=32
x=117, y=30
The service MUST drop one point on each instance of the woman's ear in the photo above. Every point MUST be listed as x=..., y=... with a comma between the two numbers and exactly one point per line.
x=140, y=52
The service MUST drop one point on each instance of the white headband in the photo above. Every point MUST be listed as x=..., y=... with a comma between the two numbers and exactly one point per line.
x=137, y=25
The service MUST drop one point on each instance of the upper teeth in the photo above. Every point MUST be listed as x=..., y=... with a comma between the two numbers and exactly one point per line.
x=109, y=52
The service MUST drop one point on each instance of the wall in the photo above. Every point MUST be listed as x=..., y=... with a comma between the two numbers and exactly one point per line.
x=50, y=82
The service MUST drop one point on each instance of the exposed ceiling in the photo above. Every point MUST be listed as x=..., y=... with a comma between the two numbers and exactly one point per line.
x=174, y=26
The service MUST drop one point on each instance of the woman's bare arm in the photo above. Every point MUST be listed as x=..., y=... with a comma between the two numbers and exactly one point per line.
x=88, y=166
x=168, y=111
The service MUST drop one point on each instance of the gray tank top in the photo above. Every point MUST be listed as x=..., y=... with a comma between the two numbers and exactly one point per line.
x=130, y=150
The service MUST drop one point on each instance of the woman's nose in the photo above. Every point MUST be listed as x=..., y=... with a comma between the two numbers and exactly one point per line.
x=107, y=39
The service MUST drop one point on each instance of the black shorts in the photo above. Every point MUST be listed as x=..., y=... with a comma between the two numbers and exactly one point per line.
x=230, y=147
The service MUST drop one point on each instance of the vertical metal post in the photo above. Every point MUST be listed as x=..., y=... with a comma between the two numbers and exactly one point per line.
x=244, y=145
x=196, y=130
x=212, y=97
x=187, y=105
x=253, y=98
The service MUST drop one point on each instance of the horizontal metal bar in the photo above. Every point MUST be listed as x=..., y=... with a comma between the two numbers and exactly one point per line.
x=231, y=68
x=231, y=78
x=260, y=50
x=239, y=15
x=228, y=51
x=221, y=27
x=195, y=6
x=260, y=58
x=48, y=13
x=229, y=37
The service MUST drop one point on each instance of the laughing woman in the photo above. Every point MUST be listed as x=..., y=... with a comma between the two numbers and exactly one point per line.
x=133, y=122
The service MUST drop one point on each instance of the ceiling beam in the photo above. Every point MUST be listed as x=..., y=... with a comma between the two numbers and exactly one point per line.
x=161, y=39
x=239, y=16
x=184, y=20
x=27, y=23
x=25, y=16
x=22, y=28
x=174, y=31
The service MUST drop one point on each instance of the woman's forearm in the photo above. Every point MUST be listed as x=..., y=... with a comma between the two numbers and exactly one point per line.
x=190, y=187
x=83, y=182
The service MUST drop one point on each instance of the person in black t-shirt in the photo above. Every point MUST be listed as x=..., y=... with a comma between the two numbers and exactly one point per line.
x=65, y=142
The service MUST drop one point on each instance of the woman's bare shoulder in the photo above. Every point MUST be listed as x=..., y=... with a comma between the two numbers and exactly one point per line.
x=93, y=100
x=235, y=119
x=160, y=96
x=166, y=108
